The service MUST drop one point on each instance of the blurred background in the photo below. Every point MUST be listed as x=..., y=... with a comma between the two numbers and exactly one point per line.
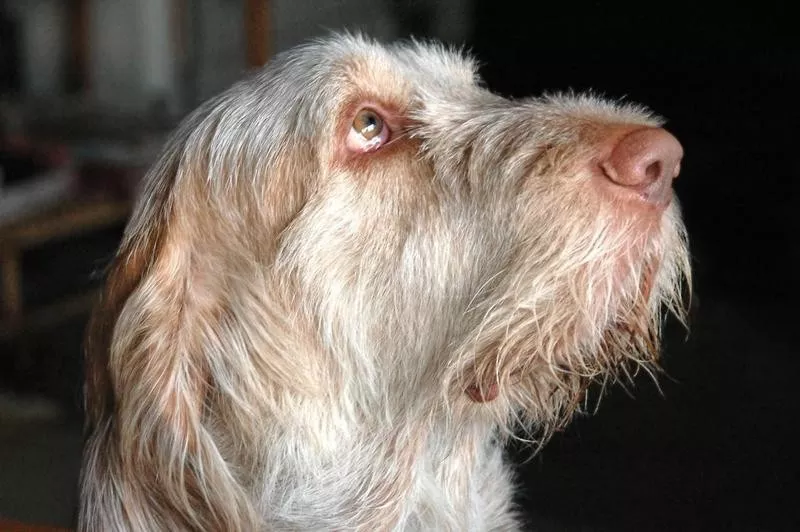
x=90, y=88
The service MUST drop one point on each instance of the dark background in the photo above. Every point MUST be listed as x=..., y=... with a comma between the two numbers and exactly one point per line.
x=716, y=450
x=713, y=446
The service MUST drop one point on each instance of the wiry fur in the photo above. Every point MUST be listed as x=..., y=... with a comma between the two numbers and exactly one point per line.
x=287, y=332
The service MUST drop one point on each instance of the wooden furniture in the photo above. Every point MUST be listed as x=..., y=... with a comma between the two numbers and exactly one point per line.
x=78, y=217
x=70, y=219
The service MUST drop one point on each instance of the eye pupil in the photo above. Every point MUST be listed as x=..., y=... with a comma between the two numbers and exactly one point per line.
x=368, y=124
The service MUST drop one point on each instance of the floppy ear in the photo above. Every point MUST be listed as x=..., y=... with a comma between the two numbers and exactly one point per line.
x=152, y=461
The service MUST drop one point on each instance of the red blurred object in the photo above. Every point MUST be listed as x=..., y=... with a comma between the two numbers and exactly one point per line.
x=16, y=526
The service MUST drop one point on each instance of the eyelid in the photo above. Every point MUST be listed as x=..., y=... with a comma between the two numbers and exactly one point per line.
x=391, y=114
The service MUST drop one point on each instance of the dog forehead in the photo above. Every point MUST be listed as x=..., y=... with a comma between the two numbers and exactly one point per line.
x=402, y=70
x=434, y=64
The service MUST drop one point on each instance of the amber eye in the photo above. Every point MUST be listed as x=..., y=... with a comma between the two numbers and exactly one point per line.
x=368, y=124
x=368, y=132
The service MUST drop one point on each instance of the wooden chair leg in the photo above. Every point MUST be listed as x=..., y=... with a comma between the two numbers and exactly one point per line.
x=11, y=273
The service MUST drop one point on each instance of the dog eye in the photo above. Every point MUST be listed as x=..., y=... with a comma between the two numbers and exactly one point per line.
x=368, y=124
x=368, y=132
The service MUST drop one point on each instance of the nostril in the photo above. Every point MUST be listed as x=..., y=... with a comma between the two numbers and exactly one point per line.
x=654, y=171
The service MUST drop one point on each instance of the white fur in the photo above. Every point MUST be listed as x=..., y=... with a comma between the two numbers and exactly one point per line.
x=287, y=334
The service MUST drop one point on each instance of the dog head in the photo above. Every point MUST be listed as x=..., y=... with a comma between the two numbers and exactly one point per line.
x=368, y=228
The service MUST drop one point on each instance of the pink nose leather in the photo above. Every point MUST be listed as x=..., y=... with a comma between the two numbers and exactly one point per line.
x=646, y=161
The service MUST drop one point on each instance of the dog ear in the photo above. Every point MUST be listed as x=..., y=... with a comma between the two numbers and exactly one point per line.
x=151, y=462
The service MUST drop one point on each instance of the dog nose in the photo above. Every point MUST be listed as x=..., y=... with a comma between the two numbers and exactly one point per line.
x=645, y=160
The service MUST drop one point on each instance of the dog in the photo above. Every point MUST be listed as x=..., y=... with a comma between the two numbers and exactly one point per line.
x=351, y=277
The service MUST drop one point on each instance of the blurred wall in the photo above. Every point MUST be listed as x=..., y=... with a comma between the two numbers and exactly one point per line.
x=42, y=33
x=132, y=56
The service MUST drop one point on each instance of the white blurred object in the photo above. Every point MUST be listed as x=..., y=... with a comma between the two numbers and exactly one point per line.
x=15, y=407
x=33, y=194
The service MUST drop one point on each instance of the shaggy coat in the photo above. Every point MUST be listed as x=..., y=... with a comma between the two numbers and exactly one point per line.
x=313, y=326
